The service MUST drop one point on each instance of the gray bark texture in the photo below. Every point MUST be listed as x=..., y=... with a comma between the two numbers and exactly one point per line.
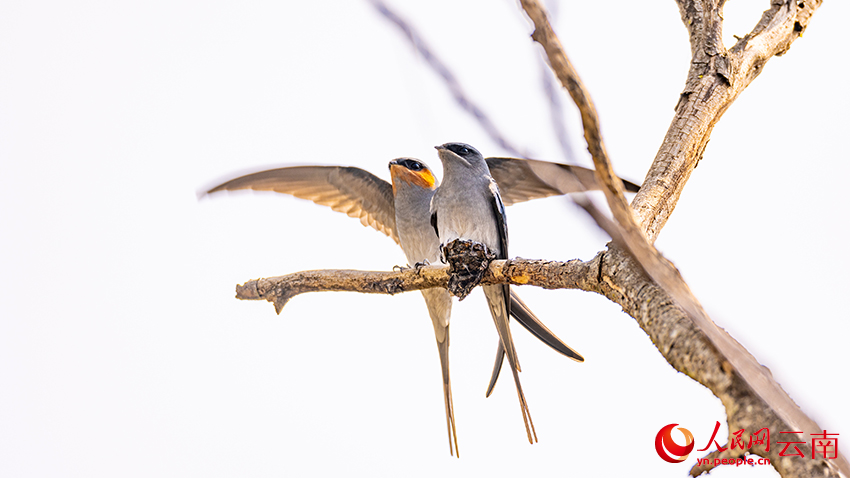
x=631, y=272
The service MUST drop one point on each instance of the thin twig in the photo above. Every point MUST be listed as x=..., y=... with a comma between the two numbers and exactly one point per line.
x=556, y=106
x=448, y=78
x=556, y=113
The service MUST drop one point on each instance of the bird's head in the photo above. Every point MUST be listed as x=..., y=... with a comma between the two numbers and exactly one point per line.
x=460, y=153
x=410, y=172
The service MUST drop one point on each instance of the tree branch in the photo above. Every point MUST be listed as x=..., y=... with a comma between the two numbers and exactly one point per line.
x=663, y=305
x=547, y=274
x=715, y=79
x=750, y=382
x=451, y=82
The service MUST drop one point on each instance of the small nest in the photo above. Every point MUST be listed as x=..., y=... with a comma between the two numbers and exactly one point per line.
x=468, y=261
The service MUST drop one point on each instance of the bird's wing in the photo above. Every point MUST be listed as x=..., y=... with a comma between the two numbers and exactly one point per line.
x=525, y=179
x=501, y=225
x=527, y=319
x=502, y=228
x=353, y=191
x=499, y=301
x=434, y=223
x=498, y=211
x=495, y=295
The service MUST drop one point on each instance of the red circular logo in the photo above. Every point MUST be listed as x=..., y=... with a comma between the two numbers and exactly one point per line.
x=668, y=450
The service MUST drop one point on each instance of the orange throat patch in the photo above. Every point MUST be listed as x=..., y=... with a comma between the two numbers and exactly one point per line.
x=423, y=179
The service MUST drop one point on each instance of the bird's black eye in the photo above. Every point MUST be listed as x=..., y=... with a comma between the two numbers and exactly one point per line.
x=411, y=164
x=459, y=149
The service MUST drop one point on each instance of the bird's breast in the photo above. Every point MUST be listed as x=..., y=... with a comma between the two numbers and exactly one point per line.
x=478, y=230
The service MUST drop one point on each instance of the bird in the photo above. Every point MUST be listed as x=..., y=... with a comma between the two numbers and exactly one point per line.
x=401, y=211
x=468, y=206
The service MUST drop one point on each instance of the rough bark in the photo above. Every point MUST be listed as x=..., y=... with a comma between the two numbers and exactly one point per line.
x=631, y=272
x=547, y=274
x=716, y=78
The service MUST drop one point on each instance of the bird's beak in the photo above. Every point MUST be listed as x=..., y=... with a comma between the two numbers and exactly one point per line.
x=445, y=152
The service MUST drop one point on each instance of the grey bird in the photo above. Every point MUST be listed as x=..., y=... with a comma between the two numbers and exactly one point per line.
x=413, y=186
x=468, y=206
x=401, y=211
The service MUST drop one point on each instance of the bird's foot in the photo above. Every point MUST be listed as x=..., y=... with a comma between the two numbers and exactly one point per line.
x=468, y=261
x=416, y=267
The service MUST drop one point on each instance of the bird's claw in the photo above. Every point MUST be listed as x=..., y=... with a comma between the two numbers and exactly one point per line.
x=416, y=267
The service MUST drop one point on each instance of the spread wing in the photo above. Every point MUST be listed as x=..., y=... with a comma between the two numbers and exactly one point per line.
x=525, y=179
x=353, y=191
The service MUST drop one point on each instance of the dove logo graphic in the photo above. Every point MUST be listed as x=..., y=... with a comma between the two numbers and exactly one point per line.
x=668, y=449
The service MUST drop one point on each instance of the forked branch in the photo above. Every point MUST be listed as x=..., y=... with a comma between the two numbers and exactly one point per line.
x=647, y=286
x=731, y=372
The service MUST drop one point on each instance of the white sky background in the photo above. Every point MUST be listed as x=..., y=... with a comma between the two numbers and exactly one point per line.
x=124, y=353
